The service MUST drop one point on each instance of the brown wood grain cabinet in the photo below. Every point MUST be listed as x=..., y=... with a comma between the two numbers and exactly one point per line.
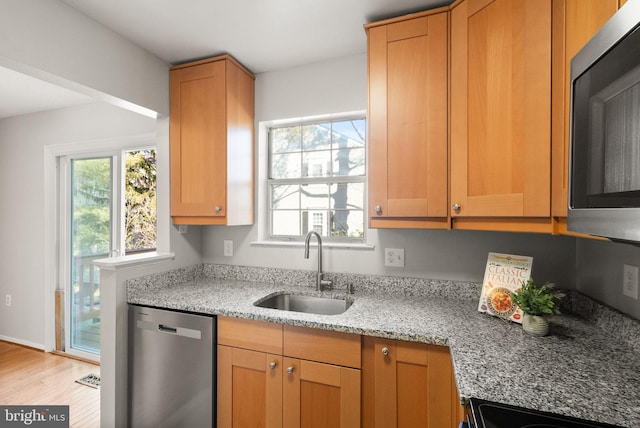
x=490, y=78
x=249, y=388
x=500, y=114
x=264, y=382
x=408, y=385
x=249, y=371
x=211, y=142
x=319, y=395
x=574, y=23
x=407, y=137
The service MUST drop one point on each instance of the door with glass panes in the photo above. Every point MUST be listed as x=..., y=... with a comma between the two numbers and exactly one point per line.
x=108, y=209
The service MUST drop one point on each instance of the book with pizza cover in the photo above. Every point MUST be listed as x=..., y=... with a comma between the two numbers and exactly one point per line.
x=504, y=274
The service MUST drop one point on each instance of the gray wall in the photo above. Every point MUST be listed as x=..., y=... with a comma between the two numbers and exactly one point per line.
x=340, y=86
x=22, y=212
x=599, y=272
x=23, y=216
x=52, y=41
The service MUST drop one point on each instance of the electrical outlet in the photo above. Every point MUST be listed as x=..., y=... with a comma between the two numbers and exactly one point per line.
x=183, y=228
x=228, y=248
x=394, y=257
x=7, y=300
x=630, y=281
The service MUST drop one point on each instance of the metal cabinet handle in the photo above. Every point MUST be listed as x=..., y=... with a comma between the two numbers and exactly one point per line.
x=378, y=209
x=218, y=209
x=385, y=351
x=456, y=207
x=290, y=370
x=272, y=365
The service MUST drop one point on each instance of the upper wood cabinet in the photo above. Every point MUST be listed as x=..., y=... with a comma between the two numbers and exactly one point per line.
x=211, y=142
x=574, y=23
x=407, y=138
x=500, y=110
x=408, y=384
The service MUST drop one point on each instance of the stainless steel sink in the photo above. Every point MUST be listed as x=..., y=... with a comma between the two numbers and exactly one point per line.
x=306, y=304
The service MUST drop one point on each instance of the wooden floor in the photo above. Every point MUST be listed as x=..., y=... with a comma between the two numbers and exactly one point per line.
x=32, y=377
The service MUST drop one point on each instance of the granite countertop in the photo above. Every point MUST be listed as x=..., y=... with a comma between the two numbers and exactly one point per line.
x=577, y=370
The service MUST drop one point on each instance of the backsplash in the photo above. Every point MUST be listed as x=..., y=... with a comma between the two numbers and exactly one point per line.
x=615, y=323
x=363, y=283
x=159, y=280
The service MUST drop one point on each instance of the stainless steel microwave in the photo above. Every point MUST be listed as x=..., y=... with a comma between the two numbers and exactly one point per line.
x=604, y=179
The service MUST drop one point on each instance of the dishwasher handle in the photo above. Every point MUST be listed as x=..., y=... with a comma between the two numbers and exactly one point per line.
x=166, y=329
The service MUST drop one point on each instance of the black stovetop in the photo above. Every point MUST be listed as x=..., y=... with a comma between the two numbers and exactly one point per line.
x=496, y=415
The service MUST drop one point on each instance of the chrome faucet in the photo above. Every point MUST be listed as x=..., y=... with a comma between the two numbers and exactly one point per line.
x=320, y=281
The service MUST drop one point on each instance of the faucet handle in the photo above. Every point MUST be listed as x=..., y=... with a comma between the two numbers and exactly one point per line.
x=326, y=283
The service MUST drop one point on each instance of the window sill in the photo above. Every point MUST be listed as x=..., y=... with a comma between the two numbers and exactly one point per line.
x=115, y=263
x=300, y=244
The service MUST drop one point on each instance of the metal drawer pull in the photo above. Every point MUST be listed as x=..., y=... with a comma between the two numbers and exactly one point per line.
x=290, y=370
x=218, y=208
x=385, y=351
x=272, y=365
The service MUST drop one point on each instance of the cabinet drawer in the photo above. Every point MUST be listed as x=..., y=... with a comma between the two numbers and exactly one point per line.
x=250, y=334
x=332, y=347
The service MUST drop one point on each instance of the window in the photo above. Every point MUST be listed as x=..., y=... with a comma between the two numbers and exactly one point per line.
x=140, y=201
x=316, y=179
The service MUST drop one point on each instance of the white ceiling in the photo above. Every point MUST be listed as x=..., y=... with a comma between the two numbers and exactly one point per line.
x=264, y=35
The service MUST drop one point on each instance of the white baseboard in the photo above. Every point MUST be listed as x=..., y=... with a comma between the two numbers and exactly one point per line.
x=39, y=346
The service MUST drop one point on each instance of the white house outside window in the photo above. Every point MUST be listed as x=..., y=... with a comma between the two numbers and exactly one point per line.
x=316, y=179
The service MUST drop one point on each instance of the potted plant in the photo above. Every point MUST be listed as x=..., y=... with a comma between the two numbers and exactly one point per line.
x=537, y=302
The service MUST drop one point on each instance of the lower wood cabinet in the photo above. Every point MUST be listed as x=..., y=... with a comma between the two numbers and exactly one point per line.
x=249, y=390
x=270, y=375
x=257, y=388
x=318, y=395
x=406, y=384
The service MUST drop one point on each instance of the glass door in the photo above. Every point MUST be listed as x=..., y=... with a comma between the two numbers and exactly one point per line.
x=90, y=219
x=107, y=209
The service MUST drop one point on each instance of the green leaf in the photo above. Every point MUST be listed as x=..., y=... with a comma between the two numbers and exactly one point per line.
x=536, y=299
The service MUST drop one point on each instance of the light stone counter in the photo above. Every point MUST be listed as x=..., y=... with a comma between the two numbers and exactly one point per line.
x=581, y=369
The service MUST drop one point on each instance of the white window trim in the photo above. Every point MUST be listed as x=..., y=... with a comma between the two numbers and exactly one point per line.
x=262, y=176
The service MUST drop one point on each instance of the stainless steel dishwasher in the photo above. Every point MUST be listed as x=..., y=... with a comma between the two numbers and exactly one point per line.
x=171, y=369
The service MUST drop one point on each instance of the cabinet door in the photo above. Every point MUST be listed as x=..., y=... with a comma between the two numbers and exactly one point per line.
x=318, y=395
x=574, y=23
x=408, y=118
x=249, y=389
x=198, y=140
x=407, y=385
x=501, y=108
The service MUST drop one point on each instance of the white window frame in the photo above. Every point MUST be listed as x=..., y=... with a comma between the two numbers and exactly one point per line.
x=265, y=226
